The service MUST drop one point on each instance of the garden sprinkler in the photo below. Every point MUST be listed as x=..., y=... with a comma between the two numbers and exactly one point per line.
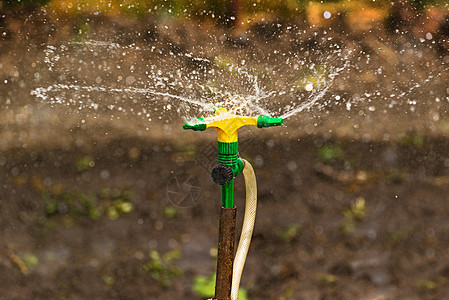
x=229, y=268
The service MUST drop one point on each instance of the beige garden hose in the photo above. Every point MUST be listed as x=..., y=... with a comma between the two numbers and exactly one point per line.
x=247, y=228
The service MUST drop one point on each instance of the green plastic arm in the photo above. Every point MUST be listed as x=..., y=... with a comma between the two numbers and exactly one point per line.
x=265, y=121
x=195, y=127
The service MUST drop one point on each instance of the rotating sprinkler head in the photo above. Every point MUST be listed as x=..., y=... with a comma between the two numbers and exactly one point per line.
x=229, y=163
x=229, y=268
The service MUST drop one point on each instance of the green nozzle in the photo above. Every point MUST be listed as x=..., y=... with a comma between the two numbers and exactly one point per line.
x=195, y=127
x=265, y=121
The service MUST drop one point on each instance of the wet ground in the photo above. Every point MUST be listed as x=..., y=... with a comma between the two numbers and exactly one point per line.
x=352, y=200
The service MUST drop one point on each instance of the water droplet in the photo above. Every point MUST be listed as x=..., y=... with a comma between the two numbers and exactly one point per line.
x=130, y=80
x=309, y=87
x=104, y=174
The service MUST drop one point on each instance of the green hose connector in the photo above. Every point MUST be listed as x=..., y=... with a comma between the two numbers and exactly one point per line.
x=228, y=155
x=265, y=121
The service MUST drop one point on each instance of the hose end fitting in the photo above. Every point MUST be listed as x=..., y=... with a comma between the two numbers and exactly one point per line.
x=265, y=121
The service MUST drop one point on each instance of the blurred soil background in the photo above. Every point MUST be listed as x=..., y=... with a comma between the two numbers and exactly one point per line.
x=353, y=195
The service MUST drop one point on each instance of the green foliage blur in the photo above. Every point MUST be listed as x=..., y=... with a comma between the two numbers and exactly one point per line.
x=220, y=10
x=353, y=215
x=330, y=153
x=12, y=3
x=421, y=4
x=74, y=204
x=204, y=287
x=162, y=267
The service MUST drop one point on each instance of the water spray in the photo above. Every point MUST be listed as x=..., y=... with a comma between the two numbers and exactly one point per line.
x=230, y=267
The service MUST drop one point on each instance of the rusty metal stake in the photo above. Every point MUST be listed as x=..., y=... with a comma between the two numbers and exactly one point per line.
x=225, y=255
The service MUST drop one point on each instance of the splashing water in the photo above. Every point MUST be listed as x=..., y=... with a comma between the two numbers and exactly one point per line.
x=313, y=100
x=241, y=88
x=151, y=81
x=43, y=93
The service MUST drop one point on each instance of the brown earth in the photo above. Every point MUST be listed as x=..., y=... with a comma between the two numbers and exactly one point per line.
x=353, y=204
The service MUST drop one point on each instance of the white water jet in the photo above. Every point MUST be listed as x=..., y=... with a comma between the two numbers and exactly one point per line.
x=256, y=87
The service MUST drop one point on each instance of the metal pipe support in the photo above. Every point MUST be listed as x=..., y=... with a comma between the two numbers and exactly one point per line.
x=225, y=255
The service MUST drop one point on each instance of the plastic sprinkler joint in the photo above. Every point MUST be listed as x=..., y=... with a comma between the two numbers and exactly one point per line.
x=229, y=163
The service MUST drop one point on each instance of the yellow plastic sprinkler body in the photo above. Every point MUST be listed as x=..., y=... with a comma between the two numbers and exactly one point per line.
x=229, y=163
x=227, y=125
